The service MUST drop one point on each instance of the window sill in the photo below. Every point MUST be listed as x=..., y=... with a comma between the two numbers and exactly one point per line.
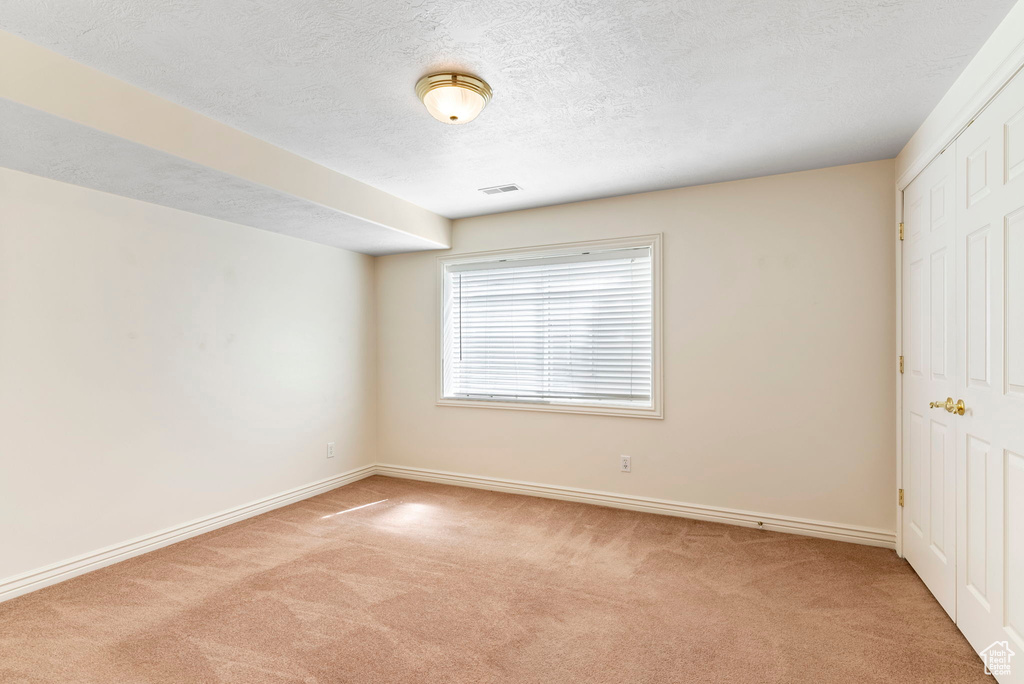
x=593, y=410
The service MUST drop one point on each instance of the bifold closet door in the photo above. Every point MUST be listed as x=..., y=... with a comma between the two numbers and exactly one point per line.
x=990, y=350
x=929, y=514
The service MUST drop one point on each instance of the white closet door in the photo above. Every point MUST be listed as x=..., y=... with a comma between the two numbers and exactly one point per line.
x=929, y=514
x=990, y=350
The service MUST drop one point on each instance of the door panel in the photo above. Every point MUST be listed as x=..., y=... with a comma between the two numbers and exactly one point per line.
x=913, y=503
x=978, y=304
x=1014, y=351
x=1014, y=600
x=940, y=307
x=929, y=540
x=937, y=488
x=977, y=523
x=990, y=351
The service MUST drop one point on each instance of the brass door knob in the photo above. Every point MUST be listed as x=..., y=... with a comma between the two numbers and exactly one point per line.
x=958, y=408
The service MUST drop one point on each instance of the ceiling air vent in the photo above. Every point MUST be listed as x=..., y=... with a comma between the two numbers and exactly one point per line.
x=499, y=189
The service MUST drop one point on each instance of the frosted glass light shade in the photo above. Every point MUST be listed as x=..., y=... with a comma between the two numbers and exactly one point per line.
x=453, y=98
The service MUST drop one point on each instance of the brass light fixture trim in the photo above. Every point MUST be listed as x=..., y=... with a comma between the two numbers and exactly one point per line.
x=449, y=79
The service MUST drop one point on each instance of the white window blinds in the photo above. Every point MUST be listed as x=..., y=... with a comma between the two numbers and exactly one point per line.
x=565, y=329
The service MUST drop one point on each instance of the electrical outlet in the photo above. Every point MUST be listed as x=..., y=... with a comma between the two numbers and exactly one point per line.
x=330, y=450
x=626, y=463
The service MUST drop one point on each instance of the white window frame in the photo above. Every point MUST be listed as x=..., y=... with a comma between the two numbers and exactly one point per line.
x=561, y=249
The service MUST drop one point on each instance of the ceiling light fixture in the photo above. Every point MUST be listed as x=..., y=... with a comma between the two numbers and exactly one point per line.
x=453, y=98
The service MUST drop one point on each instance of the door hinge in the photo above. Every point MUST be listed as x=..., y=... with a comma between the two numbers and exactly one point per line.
x=901, y=364
x=901, y=497
x=901, y=230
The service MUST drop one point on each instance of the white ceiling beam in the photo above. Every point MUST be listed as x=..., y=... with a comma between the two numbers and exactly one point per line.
x=43, y=80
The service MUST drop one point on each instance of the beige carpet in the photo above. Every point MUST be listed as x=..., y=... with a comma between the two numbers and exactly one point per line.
x=429, y=583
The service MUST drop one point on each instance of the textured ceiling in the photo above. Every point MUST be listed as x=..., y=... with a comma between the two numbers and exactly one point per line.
x=591, y=97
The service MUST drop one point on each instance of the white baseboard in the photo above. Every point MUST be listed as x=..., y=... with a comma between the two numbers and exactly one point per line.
x=17, y=585
x=58, y=572
x=812, y=528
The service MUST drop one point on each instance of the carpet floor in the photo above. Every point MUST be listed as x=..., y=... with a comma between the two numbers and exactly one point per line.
x=389, y=580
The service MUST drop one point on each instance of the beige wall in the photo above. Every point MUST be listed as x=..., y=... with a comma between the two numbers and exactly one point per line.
x=157, y=366
x=779, y=320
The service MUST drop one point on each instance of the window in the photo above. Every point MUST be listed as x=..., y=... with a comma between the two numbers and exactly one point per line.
x=566, y=328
